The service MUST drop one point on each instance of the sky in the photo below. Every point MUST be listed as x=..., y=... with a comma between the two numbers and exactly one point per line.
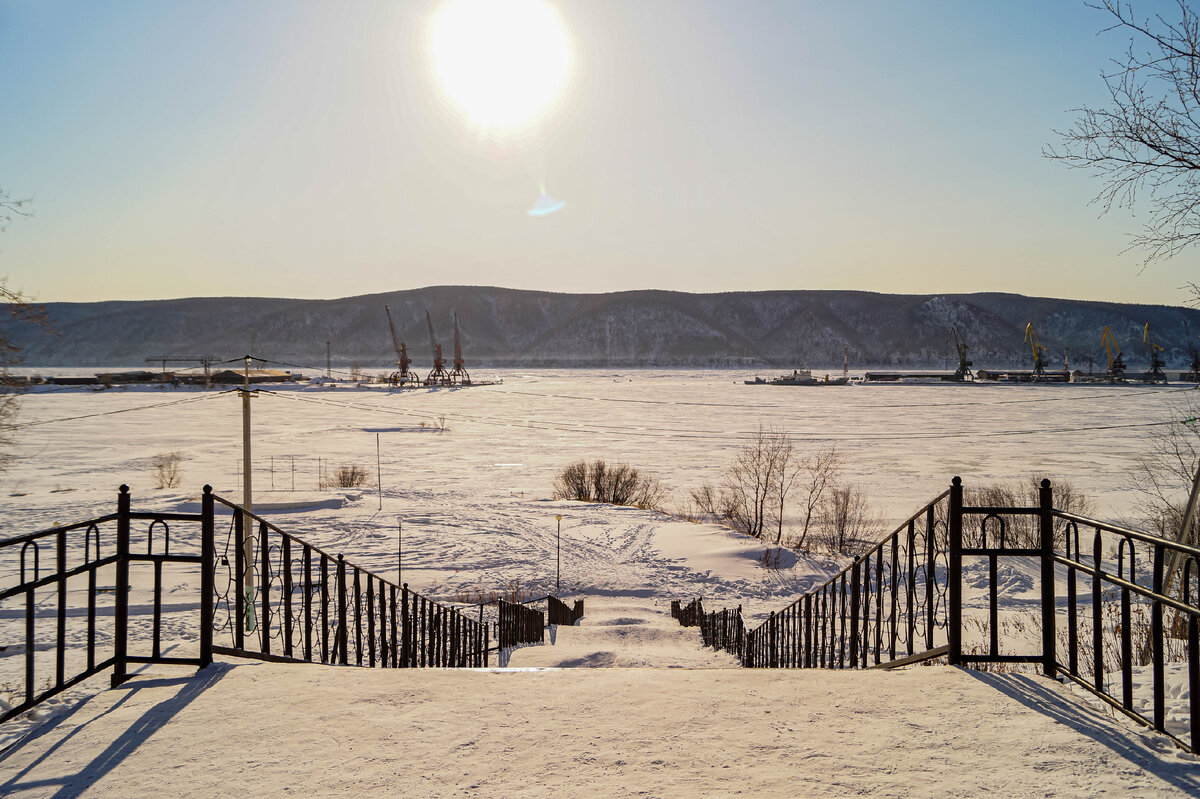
x=313, y=149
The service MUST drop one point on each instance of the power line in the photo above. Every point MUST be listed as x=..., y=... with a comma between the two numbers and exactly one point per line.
x=183, y=401
x=656, y=432
x=1092, y=394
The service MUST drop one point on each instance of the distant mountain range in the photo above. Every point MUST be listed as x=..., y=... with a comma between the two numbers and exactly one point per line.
x=508, y=327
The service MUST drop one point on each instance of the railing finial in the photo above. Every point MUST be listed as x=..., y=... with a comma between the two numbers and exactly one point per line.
x=124, y=489
x=207, y=489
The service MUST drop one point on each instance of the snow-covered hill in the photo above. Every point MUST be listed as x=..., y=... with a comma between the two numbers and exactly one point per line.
x=634, y=328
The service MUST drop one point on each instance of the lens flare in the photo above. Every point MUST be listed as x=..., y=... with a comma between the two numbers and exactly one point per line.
x=546, y=205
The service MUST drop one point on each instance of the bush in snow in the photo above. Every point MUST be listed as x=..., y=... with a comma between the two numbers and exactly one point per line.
x=618, y=484
x=166, y=470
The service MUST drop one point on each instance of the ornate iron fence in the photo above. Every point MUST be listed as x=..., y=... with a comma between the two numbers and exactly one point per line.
x=96, y=558
x=887, y=606
x=279, y=598
x=1129, y=622
x=262, y=593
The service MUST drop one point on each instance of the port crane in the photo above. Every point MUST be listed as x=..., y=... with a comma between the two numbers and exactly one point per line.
x=438, y=376
x=1039, y=352
x=458, y=375
x=205, y=361
x=1116, y=363
x=403, y=375
x=963, y=372
x=1156, y=374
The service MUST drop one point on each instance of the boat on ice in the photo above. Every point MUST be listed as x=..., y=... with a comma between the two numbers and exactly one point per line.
x=798, y=377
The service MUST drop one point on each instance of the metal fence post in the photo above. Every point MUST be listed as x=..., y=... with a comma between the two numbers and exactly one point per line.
x=208, y=554
x=855, y=583
x=1046, y=506
x=954, y=573
x=341, y=642
x=121, y=599
x=405, y=629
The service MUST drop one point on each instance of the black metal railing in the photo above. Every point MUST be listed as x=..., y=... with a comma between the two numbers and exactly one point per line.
x=1128, y=625
x=889, y=604
x=1136, y=618
x=687, y=615
x=520, y=624
x=101, y=559
x=725, y=631
x=280, y=598
x=89, y=596
x=559, y=612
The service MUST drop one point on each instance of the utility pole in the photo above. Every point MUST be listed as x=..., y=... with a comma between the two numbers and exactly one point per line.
x=328, y=370
x=247, y=542
x=378, y=472
x=558, y=555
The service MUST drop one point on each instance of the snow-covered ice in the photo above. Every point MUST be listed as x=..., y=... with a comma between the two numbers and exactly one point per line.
x=467, y=474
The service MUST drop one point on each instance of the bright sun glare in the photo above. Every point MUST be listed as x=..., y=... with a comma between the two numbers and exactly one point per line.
x=502, y=61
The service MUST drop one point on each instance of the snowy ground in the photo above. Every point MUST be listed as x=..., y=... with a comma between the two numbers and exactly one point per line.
x=257, y=729
x=468, y=473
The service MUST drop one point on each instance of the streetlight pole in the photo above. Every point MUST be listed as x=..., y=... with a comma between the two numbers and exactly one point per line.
x=558, y=555
x=247, y=542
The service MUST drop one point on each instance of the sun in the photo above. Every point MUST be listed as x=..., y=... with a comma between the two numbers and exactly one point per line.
x=501, y=61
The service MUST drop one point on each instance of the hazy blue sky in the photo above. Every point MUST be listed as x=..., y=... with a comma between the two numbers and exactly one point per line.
x=307, y=149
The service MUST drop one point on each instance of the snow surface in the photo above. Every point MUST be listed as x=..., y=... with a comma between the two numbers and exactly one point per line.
x=257, y=730
x=468, y=475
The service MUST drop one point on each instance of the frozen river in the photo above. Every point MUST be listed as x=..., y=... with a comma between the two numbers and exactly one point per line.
x=901, y=444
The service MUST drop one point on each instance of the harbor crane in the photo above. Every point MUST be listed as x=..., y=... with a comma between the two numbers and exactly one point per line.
x=205, y=361
x=403, y=375
x=438, y=376
x=458, y=375
x=963, y=372
x=1156, y=374
x=1116, y=363
x=1039, y=352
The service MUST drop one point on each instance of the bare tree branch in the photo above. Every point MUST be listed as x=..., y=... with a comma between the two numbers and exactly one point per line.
x=1144, y=146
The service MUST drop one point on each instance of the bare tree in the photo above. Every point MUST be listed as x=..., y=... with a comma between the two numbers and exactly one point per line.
x=17, y=310
x=1163, y=474
x=10, y=208
x=820, y=472
x=785, y=470
x=1144, y=146
x=749, y=482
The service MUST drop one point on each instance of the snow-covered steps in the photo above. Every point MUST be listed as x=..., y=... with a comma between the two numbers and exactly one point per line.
x=623, y=632
x=266, y=730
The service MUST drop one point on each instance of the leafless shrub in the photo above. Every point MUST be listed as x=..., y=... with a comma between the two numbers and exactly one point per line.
x=847, y=523
x=347, y=476
x=619, y=484
x=771, y=558
x=573, y=482
x=167, y=473
x=755, y=490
